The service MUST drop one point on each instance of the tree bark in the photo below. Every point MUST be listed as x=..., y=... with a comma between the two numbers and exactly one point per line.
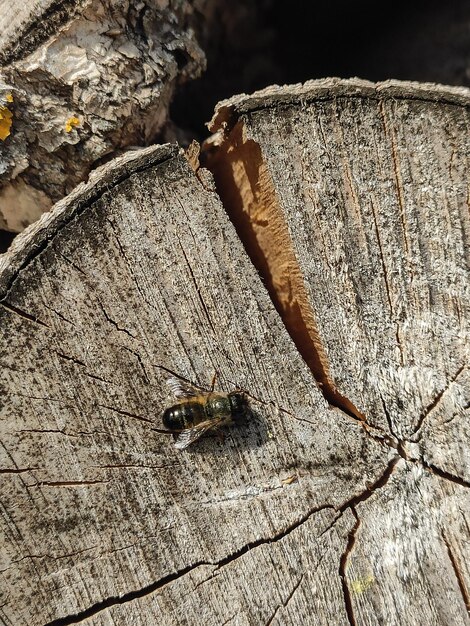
x=341, y=308
x=82, y=80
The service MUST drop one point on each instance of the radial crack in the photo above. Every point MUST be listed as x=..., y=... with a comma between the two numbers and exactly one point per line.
x=17, y=470
x=285, y=602
x=351, y=504
x=109, y=319
x=435, y=402
x=69, y=483
x=126, y=413
x=23, y=314
x=371, y=489
x=198, y=291
x=343, y=564
x=458, y=574
x=248, y=193
x=458, y=480
x=70, y=358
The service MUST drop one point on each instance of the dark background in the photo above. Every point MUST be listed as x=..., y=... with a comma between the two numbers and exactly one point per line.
x=251, y=44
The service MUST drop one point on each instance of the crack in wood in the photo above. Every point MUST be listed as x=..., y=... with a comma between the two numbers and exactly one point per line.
x=83, y=364
x=386, y=281
x=109, y=319
x=351, y=504
x=285, y=602
x=96, y=377
x=247, y=191
x=458, y=480
x=62, y=317
x=178, y=376
x=396, y=170
x=45, y=431
x=458, y=574
x=43, y=398
x=155, y=586
x=198, y=291
x=70, y=358
x=23, y=314
x=136, y=466
x=48, y=556
x=69, y=483
x=343, y=564
x=58, y=431
x=132, y=275
x=276, y=406
x=371, y=489
x=416, y=435
x=388, y=417
x=17, y=470
x=126, y=413
x=72, y=263
x=141, y=363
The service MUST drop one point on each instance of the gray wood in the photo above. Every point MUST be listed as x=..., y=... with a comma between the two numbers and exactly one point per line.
x=322, y=510
x=89, y=79
x=134, y=276
x=353, y=202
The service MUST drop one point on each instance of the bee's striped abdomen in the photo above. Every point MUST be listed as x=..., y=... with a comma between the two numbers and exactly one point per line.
x=183, y=415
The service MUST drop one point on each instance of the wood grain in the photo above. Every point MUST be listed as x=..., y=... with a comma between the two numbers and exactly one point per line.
x=352, y=200
x=345, y=499
x=136, y=276
x=370, y=190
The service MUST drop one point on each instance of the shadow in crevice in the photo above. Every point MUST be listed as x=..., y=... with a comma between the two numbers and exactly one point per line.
x=6, y=237
x=249, y=197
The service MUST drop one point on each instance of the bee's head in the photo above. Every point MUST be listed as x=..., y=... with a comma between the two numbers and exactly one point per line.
x=240, y=408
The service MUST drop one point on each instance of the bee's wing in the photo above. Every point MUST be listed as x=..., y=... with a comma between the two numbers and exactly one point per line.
x=188, y=436
x=182, y=389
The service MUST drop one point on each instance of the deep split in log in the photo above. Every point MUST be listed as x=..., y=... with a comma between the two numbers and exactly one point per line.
x=345, y=499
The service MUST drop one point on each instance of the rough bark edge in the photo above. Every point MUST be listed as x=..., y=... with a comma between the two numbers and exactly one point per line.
x=33, y=32
x=36, y=237
x=227, y=111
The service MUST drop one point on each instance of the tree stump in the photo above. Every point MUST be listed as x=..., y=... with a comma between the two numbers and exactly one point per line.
x=340, y=306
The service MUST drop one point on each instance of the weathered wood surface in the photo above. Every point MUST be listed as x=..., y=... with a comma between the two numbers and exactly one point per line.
x=354, y=198
x=317, y=514
x=87, y=79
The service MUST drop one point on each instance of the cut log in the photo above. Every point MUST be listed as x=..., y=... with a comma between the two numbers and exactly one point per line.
x=353, y=203
x=338, y=502
x=85, y=79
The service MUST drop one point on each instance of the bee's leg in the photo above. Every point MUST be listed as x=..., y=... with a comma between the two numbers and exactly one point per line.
x=219, y=433
x=214, y=378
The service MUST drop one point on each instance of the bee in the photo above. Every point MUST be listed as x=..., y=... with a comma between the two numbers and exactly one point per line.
x=196, y=411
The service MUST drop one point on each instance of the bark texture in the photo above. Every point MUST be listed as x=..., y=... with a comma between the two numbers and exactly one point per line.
x=345, y=500
x=81, y=80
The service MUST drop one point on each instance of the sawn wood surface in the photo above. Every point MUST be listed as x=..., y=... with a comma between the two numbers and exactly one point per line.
x=345, y=499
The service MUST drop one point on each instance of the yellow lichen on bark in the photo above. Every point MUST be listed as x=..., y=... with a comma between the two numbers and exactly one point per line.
x=72, y=122
x=6, y=117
